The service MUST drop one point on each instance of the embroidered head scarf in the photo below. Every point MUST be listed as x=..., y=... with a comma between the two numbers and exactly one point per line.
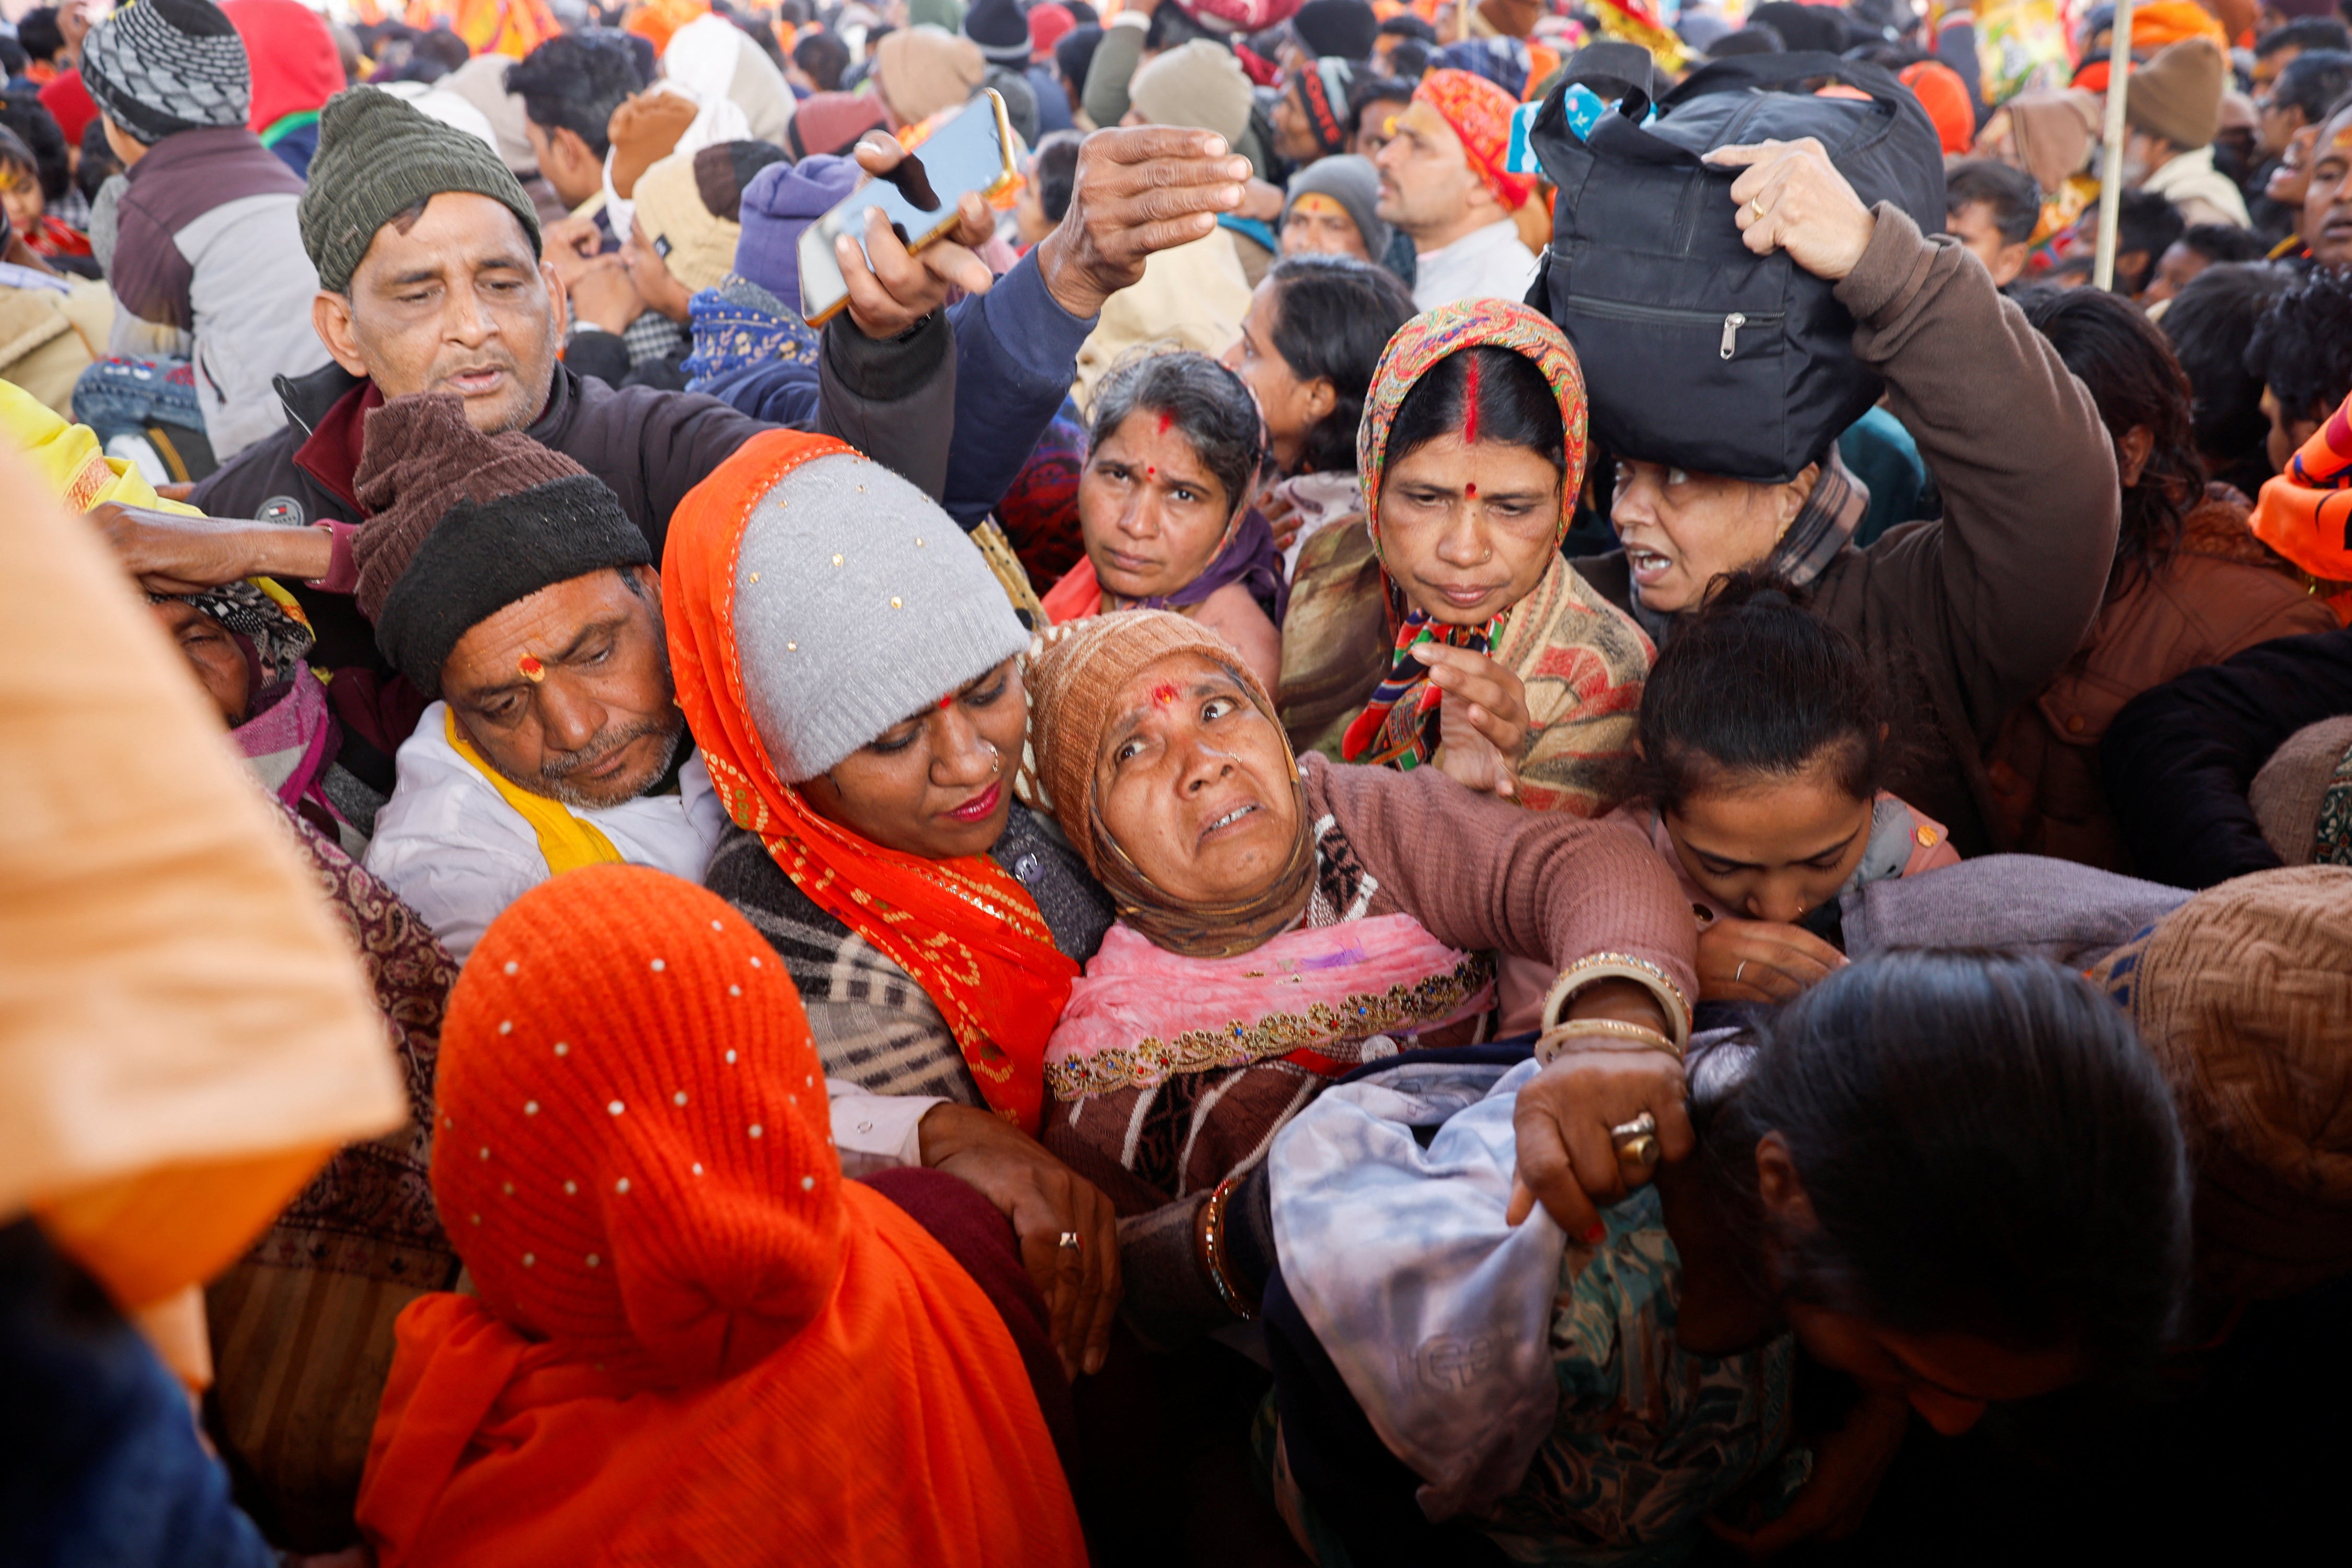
x=1073, y=676
x=1398, y=727
x=968, y=933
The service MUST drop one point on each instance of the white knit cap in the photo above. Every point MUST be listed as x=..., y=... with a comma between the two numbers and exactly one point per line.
x=858, y=604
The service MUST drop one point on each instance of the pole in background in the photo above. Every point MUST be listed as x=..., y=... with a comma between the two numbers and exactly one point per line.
x=2111, y=170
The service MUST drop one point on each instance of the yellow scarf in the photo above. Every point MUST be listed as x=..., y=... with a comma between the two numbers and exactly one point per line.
x=567, y=841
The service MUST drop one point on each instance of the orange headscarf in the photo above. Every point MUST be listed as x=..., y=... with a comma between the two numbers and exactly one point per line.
x=2306, y=513
x=969, y=933
x=693, y=1341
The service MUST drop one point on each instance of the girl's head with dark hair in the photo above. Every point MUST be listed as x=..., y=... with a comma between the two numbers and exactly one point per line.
x=1314, y=330
x=1470, y=479
x=822, y=59
x=2144, y=399
x=21, y=111
x=1170, y=459
x=21, y=198
x=2302, y=348
x=1762, y=744
x=1968, y=1176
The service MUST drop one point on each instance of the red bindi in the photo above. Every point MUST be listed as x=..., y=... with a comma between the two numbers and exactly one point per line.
x=1470, y=492
x=1163, y=694
x=1470, y=404
x=1150, y=472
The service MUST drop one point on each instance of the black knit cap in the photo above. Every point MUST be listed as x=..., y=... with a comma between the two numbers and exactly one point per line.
x=377, y=157
x=462, y=524
x=484, y=555
x=1001, y=31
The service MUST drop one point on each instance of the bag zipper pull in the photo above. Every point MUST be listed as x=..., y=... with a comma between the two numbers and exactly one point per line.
x=1731, y=325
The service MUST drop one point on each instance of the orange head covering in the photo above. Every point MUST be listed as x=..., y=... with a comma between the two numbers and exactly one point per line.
x=693, y=1340
x=657, y=20
x=1480, y=113
x=969, y=933
x=1945, y=97
x=2306, y=513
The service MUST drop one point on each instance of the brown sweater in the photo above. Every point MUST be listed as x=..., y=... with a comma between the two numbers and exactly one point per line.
x=1966, y=616
x=1480, y=875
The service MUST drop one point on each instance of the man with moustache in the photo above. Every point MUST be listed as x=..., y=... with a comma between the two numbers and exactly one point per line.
x=508, y=585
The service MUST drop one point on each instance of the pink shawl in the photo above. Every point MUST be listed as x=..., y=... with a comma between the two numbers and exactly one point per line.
x=1312, y=996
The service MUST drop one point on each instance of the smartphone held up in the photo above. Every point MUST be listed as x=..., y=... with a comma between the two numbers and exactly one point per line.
x=971, y=154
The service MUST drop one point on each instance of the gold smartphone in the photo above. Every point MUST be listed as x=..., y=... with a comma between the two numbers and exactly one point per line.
x=971, y=153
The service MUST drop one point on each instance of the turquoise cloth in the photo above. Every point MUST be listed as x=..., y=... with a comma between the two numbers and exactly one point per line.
x=1883, y=456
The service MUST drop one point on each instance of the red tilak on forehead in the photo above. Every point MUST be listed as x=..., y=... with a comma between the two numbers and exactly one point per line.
x=947, y=702
x=1164, y=693
x=1470, y=492
x=1470, y=404
x=1166, y=419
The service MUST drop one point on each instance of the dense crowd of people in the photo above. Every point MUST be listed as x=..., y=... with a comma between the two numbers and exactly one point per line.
x=1520, y=781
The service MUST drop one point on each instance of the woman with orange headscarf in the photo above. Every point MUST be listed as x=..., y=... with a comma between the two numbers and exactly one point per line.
x=693, y=1340
x=846, y=661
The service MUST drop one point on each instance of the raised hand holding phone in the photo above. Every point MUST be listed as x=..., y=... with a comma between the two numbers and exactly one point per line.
x=892, y=250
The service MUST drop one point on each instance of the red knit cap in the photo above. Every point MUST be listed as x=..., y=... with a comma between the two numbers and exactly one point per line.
x=634, y=1155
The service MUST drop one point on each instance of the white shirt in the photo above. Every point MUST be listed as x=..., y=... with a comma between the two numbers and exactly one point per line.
x=1489, y=263
x=451, y=847
x=458, y=854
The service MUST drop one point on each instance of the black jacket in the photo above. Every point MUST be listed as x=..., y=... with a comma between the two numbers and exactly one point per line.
x=2178, y=759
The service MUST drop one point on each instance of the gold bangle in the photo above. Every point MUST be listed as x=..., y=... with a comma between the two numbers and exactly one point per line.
x=1550, y=1044
x=1212, y=1249
x=1602, y=966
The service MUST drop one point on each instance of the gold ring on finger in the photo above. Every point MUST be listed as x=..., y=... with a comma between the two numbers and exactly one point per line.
x=1756, y=208
x=1636, y=1141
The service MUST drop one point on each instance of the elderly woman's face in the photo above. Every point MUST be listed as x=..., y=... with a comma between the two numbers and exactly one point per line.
x=1682, y=530
x=1151, y=512
x=1193, y=783
x=212, y=652
x=937, y=784
x=1466, y=530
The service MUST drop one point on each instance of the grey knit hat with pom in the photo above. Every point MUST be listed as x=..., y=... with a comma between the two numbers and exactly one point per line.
x=858, y=604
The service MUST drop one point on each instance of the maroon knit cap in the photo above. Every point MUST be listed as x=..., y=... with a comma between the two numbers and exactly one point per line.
x=420, y=458
x=462, y=524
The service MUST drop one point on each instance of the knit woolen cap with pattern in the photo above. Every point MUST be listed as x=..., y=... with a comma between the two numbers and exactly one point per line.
x=858, y=604
x=633, y=1153
x=1355, y=185
x=1199, y=85
x=165, y=65
x=379, y=156
x=2245, y=996
x=2177, y=95
x=461, y=524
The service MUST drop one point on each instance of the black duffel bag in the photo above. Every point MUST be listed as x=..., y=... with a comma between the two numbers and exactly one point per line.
x=1697, y=351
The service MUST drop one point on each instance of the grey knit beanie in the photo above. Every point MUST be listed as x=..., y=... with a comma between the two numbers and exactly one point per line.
x=1355, y=185
x=379, y=156
x=166, y=66
x=858, y=604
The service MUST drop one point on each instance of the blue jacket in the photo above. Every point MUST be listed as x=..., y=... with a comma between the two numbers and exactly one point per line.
x=1016, y=354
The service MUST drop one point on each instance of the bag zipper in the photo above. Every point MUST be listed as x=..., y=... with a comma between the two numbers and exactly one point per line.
x=1732, y=322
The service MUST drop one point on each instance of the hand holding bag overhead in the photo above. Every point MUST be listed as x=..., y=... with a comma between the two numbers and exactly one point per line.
x=1699, y=352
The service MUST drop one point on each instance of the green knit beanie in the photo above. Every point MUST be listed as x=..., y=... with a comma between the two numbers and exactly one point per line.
x=377, y=157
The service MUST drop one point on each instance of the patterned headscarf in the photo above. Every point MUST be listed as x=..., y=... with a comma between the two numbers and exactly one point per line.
x=1398, y=727
x=2306, y=513
x=1480, y=113
x=265, y=616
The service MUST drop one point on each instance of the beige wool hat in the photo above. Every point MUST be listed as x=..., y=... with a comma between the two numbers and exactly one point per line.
x=695, y=242
x=2177, y=95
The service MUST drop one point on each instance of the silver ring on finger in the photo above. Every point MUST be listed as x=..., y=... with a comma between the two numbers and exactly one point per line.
x=1636, y=1141
x=1071, y=1241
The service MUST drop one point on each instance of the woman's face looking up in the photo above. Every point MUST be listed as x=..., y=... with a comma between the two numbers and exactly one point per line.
x=937, y=784
x=1194, y=783
x=1467, y=530
x=1151, y=512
